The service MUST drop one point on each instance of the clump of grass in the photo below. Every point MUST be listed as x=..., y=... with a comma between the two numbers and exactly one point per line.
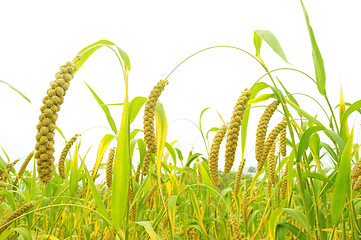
x=47, y=121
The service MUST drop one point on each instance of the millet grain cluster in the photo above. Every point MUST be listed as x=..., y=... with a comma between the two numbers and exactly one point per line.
x=47, y=121
x=233, y=129
x=148, y=121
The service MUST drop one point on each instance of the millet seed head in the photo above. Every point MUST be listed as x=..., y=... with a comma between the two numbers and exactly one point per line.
x=47, y=121
x=271, y=165
x=17, y=213
x=148, y=121
x=237, y=184
x=23, y=167
x=233, y=129
x=235, y=226
x=284, y=183
x=109, y=170
x=214, y=154
x=270, y=140
x=64, y=152
x=357, y=185
x=283, y=142
x=262, y=128
x=356, y=171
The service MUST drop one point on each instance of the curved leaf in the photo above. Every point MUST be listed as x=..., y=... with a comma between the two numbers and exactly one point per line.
x=343, y=182
x=317, y=58
x=13, y=88
x=105, y=109
x=86, y=52
x=272, y=41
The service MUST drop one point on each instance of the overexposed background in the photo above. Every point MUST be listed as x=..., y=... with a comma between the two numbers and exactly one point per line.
x=39, y=36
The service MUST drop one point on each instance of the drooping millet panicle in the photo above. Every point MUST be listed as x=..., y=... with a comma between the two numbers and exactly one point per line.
x=166, y=220
x=357, y=185
x=233, y=130
x=214, y=154
x=109, y=170
x=244, y=206
x=137, y=173
x=270, y=140
x=356, y=171
x=283, y=142
x=269, y=187
x=23, y=167
x=237, y=184
x=148, y=121
x=9, y=168
x=131, y=199
x=262, y=128
x=284, y=183
x=234, y=223
x=271, y=164
x=17, y=213
x=47, y=121
x=200, y=178
x=61, y=163
x=3, y=185
x=150, y=195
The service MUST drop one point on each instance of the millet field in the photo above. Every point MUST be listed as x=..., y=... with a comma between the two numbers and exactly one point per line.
x=142, y=186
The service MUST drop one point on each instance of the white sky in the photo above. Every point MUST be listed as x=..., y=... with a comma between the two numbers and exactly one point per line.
x=39, y=36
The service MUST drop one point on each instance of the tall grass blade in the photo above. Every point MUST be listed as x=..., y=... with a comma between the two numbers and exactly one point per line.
x=13, y=88
x=98, y=200
x=273, y=220
x=316, y=55
x=161, y=129
x=344, y=129
x=74, y=172
x=122, y=168
x=149, y=228
x=295, y=230
x=105, y=109
x=134, y=106
x=104, y=143
x=297, y=215
x=172, y=204
x=342, y=187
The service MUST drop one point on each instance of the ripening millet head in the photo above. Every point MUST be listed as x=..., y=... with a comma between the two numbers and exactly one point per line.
x=262, y=128
x=237, y=184
x=233, y=129
x=356, y=171
x=47, y=121
x=148, y=121
x=214, y=154
x=109, y=170
x=270, y=140
x=17, y=213
x=61, y=164
x=234, y=223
